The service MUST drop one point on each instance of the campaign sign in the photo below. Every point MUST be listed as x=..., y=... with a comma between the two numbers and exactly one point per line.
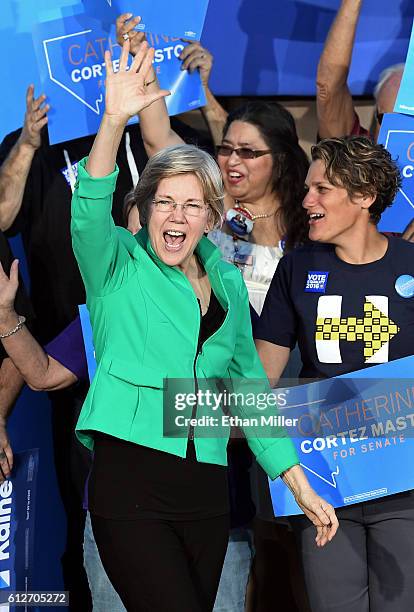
x=397, y=135
x=17, y=513
x=70, y=54
x=182, y=18
x=354, y=435
x=405, y=98
x=88, y=339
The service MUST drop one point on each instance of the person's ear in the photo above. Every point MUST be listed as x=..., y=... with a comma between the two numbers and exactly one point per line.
x=367, y=201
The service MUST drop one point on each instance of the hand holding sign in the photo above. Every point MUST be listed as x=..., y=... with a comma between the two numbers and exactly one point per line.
x=125, y=29
x=194, y=57
x=126, y=93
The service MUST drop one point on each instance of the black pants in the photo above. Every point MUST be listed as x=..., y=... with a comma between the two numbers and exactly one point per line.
x=163, y=566
x=369, y=565
x=72, y=462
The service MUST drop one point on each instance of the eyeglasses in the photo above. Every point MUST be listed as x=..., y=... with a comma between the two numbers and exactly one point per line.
x=190, y=209
x=242, y=152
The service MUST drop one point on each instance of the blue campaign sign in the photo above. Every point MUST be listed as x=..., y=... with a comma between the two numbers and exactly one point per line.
x=354, y=435
x=259, y=48
x=70, y=55
x=397, y=135
x=17, y=514
x=88, y=339
x=405, y=99
x=182, y=18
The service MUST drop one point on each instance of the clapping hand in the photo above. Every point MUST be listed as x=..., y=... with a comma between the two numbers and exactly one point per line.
x=126, y=90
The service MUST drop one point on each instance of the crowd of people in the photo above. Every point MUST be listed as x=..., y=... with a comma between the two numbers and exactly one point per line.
x=191, y=254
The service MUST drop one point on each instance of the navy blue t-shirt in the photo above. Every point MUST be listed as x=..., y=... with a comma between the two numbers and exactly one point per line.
x=344, y=317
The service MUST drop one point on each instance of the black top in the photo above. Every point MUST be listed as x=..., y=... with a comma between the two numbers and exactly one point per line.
x=130, y=481
x=21, y=303
x=44, y=221
x=345, y=317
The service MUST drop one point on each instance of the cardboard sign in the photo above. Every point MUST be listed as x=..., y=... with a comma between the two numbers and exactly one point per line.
x=182, y=18
x=397, y=135
x=70, y=55
x=354, y=435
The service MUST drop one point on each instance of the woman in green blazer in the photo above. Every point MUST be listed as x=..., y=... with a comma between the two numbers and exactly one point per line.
x=164, y=306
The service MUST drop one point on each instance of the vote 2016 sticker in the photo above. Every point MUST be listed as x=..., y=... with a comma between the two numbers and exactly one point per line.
x=404, y=285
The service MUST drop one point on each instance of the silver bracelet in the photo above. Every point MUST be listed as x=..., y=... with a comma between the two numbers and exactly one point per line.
x=18, y=327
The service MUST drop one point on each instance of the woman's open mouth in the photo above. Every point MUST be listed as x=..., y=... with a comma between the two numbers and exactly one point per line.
x=174, y=240
x=234, y=177
x=315, y=217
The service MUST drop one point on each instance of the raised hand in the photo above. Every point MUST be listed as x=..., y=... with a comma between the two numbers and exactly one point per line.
x=194, y=57
x=125, y=25
x=34, y=119
x=126, y=90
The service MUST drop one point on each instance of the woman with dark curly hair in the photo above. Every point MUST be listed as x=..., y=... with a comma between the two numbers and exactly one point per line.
x=360, y=272
x=264, y=169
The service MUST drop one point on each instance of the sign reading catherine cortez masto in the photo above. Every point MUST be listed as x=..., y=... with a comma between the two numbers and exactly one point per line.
x=354, y=435
x=70, y=54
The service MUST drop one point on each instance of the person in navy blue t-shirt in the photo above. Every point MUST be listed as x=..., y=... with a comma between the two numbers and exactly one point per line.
x=347, y=298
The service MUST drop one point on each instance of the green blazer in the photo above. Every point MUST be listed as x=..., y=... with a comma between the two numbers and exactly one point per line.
x=145, y=319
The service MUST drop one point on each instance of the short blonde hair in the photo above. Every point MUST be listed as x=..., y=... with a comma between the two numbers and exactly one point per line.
x=179, y=159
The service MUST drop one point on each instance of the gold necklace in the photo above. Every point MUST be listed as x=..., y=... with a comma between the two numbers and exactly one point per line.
x=251, y=215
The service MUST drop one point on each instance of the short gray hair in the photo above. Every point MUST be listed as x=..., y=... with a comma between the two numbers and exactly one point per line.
x=385, y=75
x=179, y=159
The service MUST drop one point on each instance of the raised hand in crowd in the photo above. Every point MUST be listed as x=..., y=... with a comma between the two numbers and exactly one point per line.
x=126, y=90
x=14, y=171
x=194, y=57
x=335, y=107
x=127, y=93
x=125, y=30
x=34, y=119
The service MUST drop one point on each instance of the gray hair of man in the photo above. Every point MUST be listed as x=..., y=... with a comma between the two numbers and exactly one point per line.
x=385, y=75
x=172, y=161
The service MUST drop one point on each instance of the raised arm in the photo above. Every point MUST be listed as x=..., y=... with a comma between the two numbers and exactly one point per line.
x=196, y=57
x=39, y=370
x=103, y=258
x=15, y=169
x=335, y=107
x=154, y=119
